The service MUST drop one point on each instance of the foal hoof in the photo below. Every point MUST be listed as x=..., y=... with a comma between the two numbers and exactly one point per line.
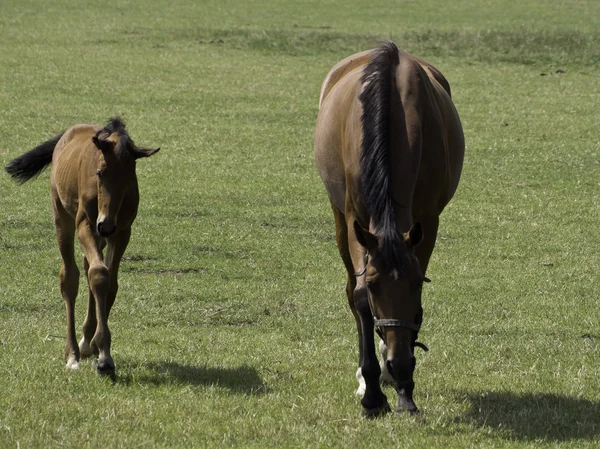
x=376, y=412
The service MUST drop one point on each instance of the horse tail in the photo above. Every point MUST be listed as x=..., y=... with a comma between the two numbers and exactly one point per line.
x=378, y=85
x=31, y=164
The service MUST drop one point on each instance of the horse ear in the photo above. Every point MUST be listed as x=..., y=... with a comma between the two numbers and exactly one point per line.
x=364, y=237
x=415, y=234
x=139, y=152
x=103, y=144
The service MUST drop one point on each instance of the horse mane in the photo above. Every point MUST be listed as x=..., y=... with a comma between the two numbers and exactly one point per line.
x=378, y=80
x=116, y=126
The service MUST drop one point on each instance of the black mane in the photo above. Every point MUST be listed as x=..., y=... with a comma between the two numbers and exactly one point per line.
x=116, y=126
x=378, y=80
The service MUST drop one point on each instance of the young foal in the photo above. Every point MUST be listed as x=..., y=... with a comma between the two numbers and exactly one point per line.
x=94, y=193
x=389, y=148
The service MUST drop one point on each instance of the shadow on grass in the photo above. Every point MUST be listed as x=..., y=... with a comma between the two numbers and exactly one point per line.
x=528, y=417
x=240, y=380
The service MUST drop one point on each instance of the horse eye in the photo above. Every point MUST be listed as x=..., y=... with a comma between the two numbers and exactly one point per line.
x=373, y=287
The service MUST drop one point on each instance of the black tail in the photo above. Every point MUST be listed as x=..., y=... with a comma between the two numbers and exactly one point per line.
x=378, y=81
x=31, y=164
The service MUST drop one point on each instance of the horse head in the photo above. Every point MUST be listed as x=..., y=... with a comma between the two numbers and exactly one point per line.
x=115, y=172
x=394, y=294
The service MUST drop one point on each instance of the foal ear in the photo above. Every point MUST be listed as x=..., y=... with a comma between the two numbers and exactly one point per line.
x=415, y=234
x=364, y=237
x=139, y=152
x=103, y=144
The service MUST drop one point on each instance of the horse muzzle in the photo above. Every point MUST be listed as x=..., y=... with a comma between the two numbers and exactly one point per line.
x=401, y=369
x=402, y=372
x=105, y=228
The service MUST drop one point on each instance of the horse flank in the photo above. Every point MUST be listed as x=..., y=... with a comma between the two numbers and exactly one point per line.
x=379, y=83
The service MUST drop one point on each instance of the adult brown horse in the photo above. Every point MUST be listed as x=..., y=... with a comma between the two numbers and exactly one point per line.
x=94, y=193
x=389, y=147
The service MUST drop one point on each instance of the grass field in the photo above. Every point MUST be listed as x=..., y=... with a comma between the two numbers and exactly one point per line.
x=231, y=327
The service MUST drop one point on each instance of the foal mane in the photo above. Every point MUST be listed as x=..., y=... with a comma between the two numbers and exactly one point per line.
x=116, y=126
x=378, y=80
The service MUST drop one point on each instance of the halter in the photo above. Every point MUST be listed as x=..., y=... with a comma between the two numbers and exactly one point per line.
x=392, y=322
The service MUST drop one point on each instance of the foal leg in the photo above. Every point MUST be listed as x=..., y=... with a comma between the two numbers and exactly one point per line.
x=117, y=244
x=98, y=280
x=86, y=347
x=89, y=325
x=69, y=277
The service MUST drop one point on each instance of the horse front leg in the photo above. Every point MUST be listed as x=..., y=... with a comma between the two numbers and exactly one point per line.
x=99, y=284
x=89, y=324
x=374, y=401
x=117, y=244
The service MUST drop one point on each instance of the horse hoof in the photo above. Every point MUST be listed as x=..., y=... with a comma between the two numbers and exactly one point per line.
x=106, y=369
x=406, y=406
x=72, y=363
x=376, y=412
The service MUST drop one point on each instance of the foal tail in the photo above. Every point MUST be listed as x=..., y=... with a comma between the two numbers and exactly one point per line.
x=378, y=85
x=31, y=164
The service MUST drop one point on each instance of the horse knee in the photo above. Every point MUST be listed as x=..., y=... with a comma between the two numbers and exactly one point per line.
x=98, y=278
x=360, y=297
x=69, y=280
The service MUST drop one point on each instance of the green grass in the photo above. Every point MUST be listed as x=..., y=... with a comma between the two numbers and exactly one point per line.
x=231, y=326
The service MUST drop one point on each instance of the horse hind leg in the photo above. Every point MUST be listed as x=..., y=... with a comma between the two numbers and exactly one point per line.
x=69, y=279
x=341, y=234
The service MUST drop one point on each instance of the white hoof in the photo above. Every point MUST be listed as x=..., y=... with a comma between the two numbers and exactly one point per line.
x=85, y=349
x=362, y=386
x=72, y=363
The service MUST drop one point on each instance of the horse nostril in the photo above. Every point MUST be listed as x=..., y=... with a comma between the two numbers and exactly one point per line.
x=105, y=230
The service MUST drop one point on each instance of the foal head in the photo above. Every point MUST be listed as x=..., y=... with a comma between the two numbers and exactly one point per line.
x=394, y=281
x=115, y=171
